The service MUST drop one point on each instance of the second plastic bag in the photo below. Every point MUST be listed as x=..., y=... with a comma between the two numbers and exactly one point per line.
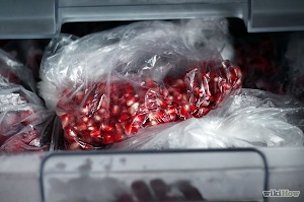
x=23, y=118
x=251, y=118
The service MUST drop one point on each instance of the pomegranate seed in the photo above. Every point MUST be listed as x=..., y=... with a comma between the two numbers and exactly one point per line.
x=102, y=111
x=134, y=108
x=119, y=128
x=65, y=120
x=164, y=92
x=90, y=123
x=118, y=137
x=95, y=134
x=81, y=127
x=85, y=119
x=70, y=135
x=106, y=128
x=85, y=110
x=198, y=92
x=97, y=117
x=185, y=112
x=153, y=123
x=104, y=102
x=129, y=89
x=92, y=128
x=162, y=103
x=130, y=101
x=123, y=117
x=115, y=110
x=192, y=108
x=104, y=114
x=179, y=83
x=108, y=139
x=131, y=128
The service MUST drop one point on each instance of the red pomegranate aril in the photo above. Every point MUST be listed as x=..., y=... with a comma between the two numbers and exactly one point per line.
x=97, y=117
x=65, y=120
x=129, y=89
x=115, y=110
x=104, y=114
x=92, y=128
x=130, y=101
x=192, y=108
x=85, y=119
x=102, y=111
x=95, y=134
x=106, y=128
x=90, y=123
x=81, y=127
x=85, y=110
x=164, y=92
x=131, y=128
x=162, y=103
x=69, y=135
x=124, y=117
x=184, y=112
x=108, y=139
x=133, y=108
x=104, y=102
x=118, y=137
x=119, y=128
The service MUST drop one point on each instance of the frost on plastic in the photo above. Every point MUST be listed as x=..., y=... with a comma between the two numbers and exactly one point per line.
x=109, y=85
x=22, y=114
x=251, y=118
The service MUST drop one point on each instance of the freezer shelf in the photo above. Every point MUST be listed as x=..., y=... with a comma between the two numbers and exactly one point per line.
x=245, y=172
x=21, y=19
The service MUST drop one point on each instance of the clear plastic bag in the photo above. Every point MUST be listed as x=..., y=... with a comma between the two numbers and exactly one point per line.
x=23, y=117
x=251, y=118
x=108, y=85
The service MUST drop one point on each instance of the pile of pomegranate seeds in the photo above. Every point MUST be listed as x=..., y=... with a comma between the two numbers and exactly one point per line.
x=104, y=113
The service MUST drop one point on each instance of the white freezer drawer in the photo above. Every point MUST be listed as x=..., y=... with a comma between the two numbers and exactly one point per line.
x=219, y=175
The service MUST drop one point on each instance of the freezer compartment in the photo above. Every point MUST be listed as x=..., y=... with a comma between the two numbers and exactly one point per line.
x=243, y=171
